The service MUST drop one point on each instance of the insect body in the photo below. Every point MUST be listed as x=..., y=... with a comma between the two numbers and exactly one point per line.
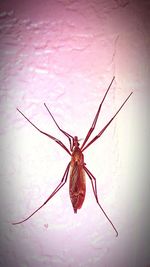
x=77, y=186
x=77, y=168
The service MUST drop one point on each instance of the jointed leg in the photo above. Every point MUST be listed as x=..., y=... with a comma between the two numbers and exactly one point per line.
x=94, y=187
x=70, y=137
x=96, y=118
x=63, y=181
x=103, y=130
x=50, y=136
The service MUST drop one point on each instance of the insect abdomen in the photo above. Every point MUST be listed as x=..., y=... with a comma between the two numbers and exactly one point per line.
x=77, y=186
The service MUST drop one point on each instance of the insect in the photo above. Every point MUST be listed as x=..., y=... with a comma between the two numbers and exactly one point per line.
x=77, y=166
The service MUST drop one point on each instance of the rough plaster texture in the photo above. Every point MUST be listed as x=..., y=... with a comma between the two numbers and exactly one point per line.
x=65, y=53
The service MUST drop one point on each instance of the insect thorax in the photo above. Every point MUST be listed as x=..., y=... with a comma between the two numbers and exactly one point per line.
x=77, y=156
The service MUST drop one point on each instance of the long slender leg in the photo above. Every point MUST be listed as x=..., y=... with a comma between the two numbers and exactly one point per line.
x=50, y=136
x=70, y=137
x=63, y=181
x=103, y=130
x=90, y=175
x=96, y=118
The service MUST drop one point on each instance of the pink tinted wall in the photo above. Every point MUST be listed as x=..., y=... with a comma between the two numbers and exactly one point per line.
x=65, y=53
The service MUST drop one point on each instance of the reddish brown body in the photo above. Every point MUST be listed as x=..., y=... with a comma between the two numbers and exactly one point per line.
x=77, y=184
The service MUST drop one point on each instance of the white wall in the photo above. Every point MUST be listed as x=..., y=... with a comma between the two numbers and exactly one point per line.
x=65, y=53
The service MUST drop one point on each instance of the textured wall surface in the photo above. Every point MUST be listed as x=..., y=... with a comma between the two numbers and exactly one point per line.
x=65, y=53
